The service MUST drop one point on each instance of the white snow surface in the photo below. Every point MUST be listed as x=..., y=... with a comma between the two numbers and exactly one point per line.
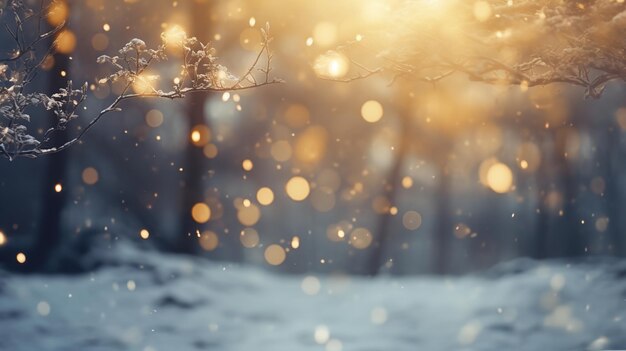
x=150, y=301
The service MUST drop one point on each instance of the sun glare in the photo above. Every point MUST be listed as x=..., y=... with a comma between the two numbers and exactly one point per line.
x=331, y=64
x=174, y=35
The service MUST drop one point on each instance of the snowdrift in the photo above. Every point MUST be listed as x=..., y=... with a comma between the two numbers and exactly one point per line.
x=149, y=301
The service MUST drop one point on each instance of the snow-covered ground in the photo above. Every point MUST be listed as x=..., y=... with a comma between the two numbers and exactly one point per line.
x=148, y=301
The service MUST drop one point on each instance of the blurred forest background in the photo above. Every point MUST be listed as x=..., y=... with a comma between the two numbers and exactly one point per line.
x=401, y=178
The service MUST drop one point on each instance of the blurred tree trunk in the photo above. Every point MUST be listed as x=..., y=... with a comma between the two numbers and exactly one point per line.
x=195, y=169
x=443, y=224
x=383, y=226
x=613, y=191
x=50, y=233
x=542, y=223
x=568, y=231
x=558, y=228
x=382, y=234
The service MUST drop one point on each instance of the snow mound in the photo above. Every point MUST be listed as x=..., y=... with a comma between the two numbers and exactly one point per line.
x=148, y=301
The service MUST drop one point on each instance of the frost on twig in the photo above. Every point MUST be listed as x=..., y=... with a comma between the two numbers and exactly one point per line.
x=522, y=42
x=200, y=72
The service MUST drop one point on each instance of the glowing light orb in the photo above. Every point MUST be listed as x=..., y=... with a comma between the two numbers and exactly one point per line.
x=500, y=178
x=361, y=238
x=200, y=212
x=208, y=240
x=144, y=234
x=298, y=188
x=65, y=42
x=154, y=118
x=378, y=315
x=295, y=242
x=249, y=215
x=57, y=13
x=200, y=135
x=43, y=308
x=247, y=165
x=412, y=220
x=210, y=150
x=90, y=176
x=372, y=111
x=249, y=238
x=311, y=285
x=321, y=334
x=20, y=258
x=407, y=182
x=281, y=151
x=265, y=196
x=275, y=255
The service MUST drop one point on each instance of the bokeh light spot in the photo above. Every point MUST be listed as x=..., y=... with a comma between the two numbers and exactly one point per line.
x=275, y=255
x=297, y=188
x=201, y=212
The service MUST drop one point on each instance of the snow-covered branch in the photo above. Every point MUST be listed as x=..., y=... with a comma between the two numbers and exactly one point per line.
x=200, y=72
x=523, y=42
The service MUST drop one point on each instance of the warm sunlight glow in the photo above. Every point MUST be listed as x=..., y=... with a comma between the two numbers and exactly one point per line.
x=174, y=35
x=332, y=64
x=327, y=175
x=144, y=83
x=482, y=10
x=325, y=33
